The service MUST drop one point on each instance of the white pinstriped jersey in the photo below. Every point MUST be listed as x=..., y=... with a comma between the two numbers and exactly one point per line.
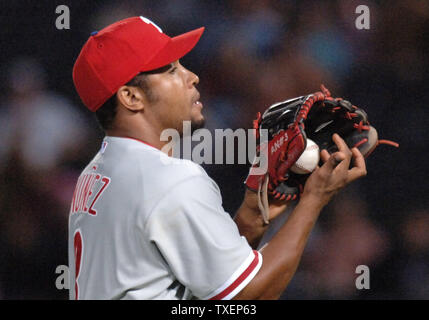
x=144, y=227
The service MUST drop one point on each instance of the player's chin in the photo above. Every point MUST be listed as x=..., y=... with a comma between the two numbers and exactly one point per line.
x=197, y=119
x=197, y=123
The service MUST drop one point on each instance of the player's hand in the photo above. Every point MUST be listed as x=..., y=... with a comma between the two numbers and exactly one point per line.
x=276, y=207
x=335, y=173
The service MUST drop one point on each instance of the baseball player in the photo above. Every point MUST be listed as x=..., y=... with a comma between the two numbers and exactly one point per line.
x=141, y=227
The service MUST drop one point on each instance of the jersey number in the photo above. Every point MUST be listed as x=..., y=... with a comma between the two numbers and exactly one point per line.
x=78, y=251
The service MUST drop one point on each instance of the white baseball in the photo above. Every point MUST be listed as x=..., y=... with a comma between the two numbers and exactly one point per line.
x=308, y=160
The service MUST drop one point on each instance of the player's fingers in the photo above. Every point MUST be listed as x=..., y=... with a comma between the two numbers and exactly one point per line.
x=359, y=169
x=341, y=144
x=333, y=160
x=359, y=159
x=344, y=150
x=324, y=155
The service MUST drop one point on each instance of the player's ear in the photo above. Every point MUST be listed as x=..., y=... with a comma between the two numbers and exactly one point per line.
x=131, y=98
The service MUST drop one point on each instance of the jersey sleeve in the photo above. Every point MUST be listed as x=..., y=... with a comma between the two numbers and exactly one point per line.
x=200, y=242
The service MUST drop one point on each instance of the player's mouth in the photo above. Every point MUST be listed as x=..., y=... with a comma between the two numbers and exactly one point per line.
x=198, y=104
x=197, y=101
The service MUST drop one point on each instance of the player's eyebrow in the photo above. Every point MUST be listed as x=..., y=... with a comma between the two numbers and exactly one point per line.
x=160, y=70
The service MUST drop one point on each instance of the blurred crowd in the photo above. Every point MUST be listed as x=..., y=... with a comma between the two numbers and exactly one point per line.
x=252, y=54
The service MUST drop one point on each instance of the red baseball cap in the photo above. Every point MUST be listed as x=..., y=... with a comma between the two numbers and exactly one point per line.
x=113, y=56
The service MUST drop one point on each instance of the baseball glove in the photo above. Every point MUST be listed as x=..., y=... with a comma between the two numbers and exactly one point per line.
x=287, y=125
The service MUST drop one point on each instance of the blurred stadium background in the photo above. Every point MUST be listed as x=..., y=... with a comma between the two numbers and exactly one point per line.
x=253, y=53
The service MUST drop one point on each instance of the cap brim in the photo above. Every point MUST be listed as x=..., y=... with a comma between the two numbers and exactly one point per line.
x=175, y=49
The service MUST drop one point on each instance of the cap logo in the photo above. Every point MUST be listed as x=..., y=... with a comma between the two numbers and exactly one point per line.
x=146, y=20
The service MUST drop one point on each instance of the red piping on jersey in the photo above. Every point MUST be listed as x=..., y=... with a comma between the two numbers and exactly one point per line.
x=142, y=142
x=239, y=280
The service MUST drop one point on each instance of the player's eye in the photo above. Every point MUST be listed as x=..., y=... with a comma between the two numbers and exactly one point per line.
x=172, y=70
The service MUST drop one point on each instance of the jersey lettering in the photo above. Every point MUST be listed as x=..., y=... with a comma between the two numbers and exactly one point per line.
x=106, y=182
x=89, y=188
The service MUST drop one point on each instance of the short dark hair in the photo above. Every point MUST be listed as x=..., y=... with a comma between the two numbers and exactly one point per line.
x=106, y=114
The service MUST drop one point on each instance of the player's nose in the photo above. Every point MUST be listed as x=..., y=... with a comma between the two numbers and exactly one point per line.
x=193, y=78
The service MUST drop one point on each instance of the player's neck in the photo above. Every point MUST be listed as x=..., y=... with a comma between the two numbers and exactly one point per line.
x=150, y=138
